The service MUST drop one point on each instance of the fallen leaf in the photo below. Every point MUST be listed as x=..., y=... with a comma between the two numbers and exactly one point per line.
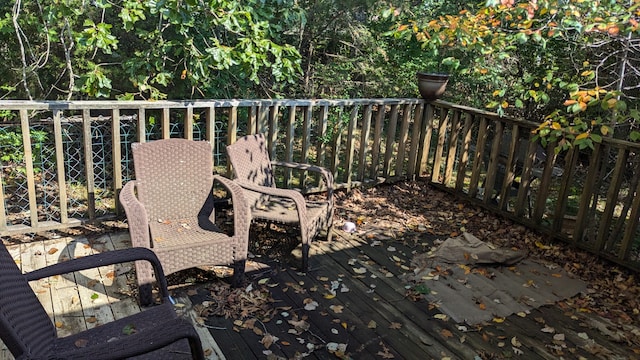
x=80, y=343
x=548, y=329
x=336, y=308
x=372, y=325
x=441, y=317
x=583, y=336
x=395, y=325
x=360, y=270
x=446, y=333
x=558, y=337
x=52, y=251
x=515, y=342
x=268, y=340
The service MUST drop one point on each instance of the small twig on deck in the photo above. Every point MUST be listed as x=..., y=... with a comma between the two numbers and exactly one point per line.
x=214, y=327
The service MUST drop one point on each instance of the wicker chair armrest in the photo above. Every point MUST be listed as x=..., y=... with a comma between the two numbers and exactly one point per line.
x=241, y=212
x=291, y=194
x=137, y=217
x=103, y=259
x=141, y=343
x=326, y=174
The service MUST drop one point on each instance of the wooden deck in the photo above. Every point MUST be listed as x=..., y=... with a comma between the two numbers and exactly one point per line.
x=353, y=304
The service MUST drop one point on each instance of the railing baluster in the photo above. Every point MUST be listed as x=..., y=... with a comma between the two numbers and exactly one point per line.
x=402, y=141
x=571, y=158
x=364, y=142
x=464, y=156
x=28, y=163
x=583, y=218
x=415, y=139
x=188, y=123
x=274, y=113
x=116, y=156
x=353, y=122
x=478, y=158
x=612, y=193
x=452, y=147
x=142, y=125
x=306, y=143
x=443, y=124
x=88, y=163
x=166, y=123
x=390, y=141
x=322, y=131
x=425, y=139
x=377, y=142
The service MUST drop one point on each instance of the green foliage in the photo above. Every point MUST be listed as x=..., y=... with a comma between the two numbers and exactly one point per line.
x=147, y=49
x=571, y=65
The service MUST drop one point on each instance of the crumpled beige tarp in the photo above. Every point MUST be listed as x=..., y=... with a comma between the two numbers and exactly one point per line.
x=471, y=272
x=468, y=249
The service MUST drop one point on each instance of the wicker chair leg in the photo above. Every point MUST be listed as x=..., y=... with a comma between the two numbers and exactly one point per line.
x=330, y=233
x=305, y=257
x=238, y=273
x=145, y=277
x=146, y=294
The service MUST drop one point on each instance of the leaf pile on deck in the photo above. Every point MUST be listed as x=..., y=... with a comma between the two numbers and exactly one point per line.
x=407, y=211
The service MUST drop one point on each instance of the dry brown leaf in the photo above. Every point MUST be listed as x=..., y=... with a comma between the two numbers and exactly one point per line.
x=268, y=340
x=80, y=343
x=446, y=333
x=395, y=326
x=52, y=251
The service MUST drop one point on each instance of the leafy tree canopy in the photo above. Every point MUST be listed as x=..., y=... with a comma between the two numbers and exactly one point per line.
x=152, y=49
x=572, y=65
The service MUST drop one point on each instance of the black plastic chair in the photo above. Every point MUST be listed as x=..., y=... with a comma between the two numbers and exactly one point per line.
x=28, y=332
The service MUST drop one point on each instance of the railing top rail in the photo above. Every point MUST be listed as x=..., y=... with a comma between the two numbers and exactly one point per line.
x=137, y=104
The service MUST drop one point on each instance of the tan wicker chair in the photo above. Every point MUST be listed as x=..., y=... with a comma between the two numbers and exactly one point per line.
x=28, y=333
x=254, y=172
x=170, y=210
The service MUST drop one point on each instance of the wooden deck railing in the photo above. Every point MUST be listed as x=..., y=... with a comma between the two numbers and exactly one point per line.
x=63, y=163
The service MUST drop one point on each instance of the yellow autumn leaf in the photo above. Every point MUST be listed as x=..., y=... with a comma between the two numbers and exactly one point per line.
x=542, y=246
x=329, y=296
x=611, y=103
x=583, y=106
x=604, y=130
x=556, y=125
x=569, y=102
x=582, y=136
x=402, y=27
x=498, y=320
